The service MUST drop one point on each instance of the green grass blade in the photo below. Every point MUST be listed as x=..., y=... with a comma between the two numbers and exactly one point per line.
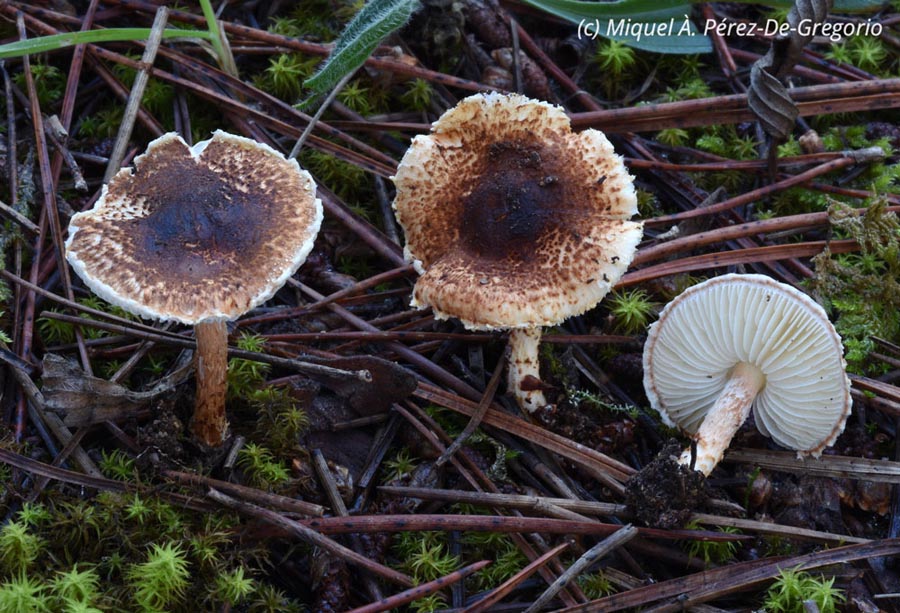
x=218, y=40
x=840, y=6
x=646, y=17
x=636, y=10
x=61, y=41
x=376, y=20
x=637, y=23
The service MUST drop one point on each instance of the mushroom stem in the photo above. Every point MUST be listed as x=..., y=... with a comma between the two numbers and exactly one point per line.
x=524, y=368
x=209, y=424
x=731, y=409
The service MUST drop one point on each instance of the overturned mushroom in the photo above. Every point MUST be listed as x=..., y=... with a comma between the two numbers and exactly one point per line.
x=741, y=341
x=514, y=222
x=198, y=235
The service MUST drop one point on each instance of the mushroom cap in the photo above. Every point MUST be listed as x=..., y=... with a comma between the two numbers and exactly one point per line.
x=197, y=233
x=705, y=331
x=512, y=219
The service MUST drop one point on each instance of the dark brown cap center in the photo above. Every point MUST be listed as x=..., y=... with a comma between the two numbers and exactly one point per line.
x=512, y=204
x=197, y=227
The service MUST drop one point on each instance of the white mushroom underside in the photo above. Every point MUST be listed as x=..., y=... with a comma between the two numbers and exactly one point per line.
x=763, y=323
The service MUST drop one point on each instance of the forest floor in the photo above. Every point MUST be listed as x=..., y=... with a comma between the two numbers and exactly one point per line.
x=331, y=493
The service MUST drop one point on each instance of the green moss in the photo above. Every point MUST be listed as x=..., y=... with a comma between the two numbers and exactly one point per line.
x=418, y=95
x=280, y=420
x=614, y=57
x=596, y=585
x=674, y=137
x=19, y=547
x=246, y=376
x=713, y=552
x=793, y=587
x=76, y=586
x=24, y=594
x=261, y=467
x=862, y=290
x=116, y=464
x=49, y=83
x=162, y=579
x=285, y=74
x=425, y=555
x=400, y=466
x=233, y=587
x=631, y=310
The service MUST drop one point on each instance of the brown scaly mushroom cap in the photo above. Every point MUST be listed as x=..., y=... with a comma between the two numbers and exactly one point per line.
x=741, y=341
x=514, y=221
x=199, y=235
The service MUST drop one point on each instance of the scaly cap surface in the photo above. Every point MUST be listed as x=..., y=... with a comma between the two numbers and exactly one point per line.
x=512, y=219
x=197, y=233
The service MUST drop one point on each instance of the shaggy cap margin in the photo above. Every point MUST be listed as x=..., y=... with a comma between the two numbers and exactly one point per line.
x=197, y=233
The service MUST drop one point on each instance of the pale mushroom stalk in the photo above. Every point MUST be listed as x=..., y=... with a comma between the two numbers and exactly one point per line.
x=199, y=235
x=209, y=424
x=730, y=411
x=740, y=343
x=524, y=368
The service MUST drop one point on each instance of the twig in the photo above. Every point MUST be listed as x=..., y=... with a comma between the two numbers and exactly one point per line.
x=18, y=218
x=544, y=505
x=496, y=523
x=811, y=100
x=510, y=584
x=882, y=471
x=616, y=540
x=432, y=440
x=310, y=368
x=475, y=420
x=750, y=255
x=284, y=503
x=58, y=135
x=50, y=210
x=312, y=537
x=72, y=82
x=340, y=510
x=602, y=466
x=315, y=118
x=420, y=591
x=683, y=592
x=137, y=94
x=762, y=192
x=357, y=288
x=667, y=249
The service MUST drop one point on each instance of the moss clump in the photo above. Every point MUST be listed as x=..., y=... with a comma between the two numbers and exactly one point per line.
x=862, y=290
x=793, y=588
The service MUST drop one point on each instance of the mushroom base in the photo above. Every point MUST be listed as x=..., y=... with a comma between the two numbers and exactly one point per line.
x=209, y=424
x=731, y=409
x=524, y=369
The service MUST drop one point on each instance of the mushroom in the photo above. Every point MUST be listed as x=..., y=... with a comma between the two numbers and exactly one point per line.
x=741, y=341
x=198, y=235
x=514, y=222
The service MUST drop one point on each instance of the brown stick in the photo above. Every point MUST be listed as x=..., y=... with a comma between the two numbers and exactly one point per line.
x=420, y=591
x=275, y=501
x=510, y=584
x=493, y=523
x=209, y=424
x=312, y=537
